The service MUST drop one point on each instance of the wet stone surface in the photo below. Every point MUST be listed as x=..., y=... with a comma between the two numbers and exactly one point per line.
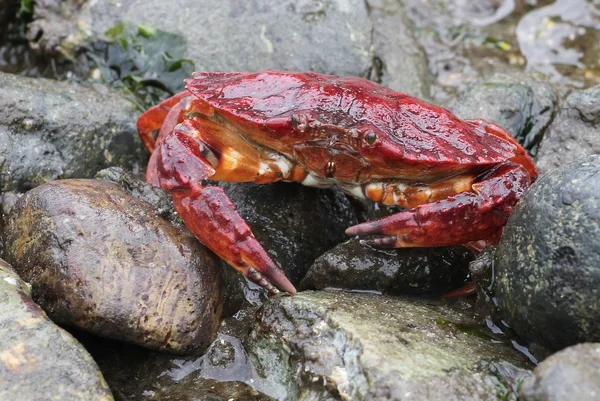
x=223, y=373
x=570, y=374
x=101, y=260
x=295, y=224
x=523, y=104
x=336, y=345
x=354, y=266
x=39, y=360
x=574, y=133
x=51, y=130
x=547, y=263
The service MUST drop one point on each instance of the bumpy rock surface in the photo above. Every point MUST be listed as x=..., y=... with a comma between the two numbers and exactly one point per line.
x=575, y=132
x=295, y=224
x=51, y=130
x=101, y=260
x=393, y=271
x=39, y=360
x=522, y=104
x=571, y=374
x=548, y=261
x=332, y=346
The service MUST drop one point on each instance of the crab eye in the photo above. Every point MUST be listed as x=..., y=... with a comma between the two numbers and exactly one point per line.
x=371, y=137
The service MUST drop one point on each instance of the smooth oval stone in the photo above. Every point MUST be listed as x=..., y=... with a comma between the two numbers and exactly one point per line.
x=102, y=260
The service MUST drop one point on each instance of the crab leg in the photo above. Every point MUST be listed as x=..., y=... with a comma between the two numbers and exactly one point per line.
x=459, y=219
x=152, y=119
x=207, y=211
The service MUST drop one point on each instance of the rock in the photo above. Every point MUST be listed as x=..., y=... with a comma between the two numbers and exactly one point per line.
x=392, y=271
x=51, y=130
x=574, y=133
x=326, y=37
x=295, y=224
x=336, y=345
x=571, y=374
x=39, y=360
x=238, y=292
x=523, y=104
x=398, y=61
x=101, y=260
x=342, y=37
x=548, y=261
x=223, y=373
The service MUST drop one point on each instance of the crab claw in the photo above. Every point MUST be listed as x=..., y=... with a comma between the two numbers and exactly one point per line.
x=213, y=218
x=208, y=212
x=459, y=219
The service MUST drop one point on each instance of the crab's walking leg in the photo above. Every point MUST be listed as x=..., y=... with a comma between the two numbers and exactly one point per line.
x=183, y=161
x=152, y=119
x=459, y=219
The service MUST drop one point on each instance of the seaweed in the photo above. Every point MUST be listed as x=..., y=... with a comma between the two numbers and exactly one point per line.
x=146, y=63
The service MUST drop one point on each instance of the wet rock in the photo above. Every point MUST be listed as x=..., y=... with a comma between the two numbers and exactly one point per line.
x=223, y=373
x=393, y=271
x=39, y=360
x=295, y=224
x=522, y=104
x=571, y=374
x=335, y=345
x=331, y=36
x=51, y=130
x=160, y=198
x=575, y=132
x=548, y=261
x=101, y=260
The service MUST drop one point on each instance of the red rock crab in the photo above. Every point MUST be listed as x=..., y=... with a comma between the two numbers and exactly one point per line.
x=458, y=179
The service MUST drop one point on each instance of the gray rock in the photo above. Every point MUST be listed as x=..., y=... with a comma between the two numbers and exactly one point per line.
x=295, y=224
x=342, y=37
x=571, y=374
x=101, y=260
x=574, y=133
x=548, y=260
x=335, y=345
x=392, y=271
x=523, y=104
x=51, y=130
x=322, y=36
x=398, y=61
x=39, y=360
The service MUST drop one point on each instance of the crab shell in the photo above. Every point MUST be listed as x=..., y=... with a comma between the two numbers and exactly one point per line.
x=458, y=176
x=366, y=130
